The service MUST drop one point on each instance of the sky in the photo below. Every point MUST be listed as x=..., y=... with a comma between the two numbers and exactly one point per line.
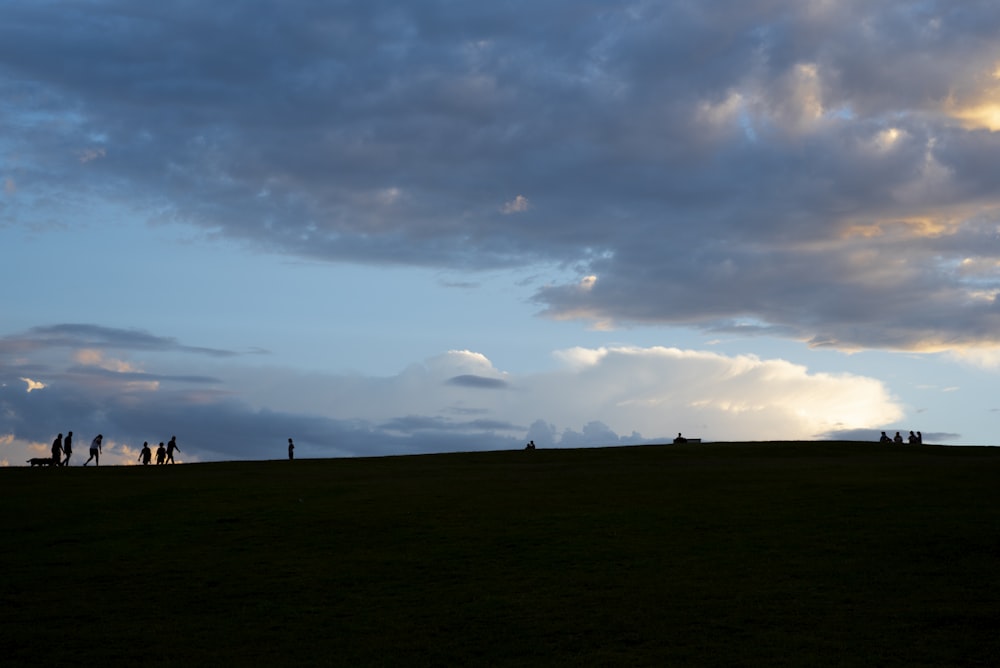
x=389, y=228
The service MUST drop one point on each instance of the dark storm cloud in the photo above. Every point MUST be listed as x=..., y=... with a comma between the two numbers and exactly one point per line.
x=820, y=170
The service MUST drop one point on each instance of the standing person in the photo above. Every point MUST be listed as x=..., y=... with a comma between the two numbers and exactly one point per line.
x=145, y=455
x=161, y=454
x=68, y=448
x=897, y=439
x=57, y=450
x=171, y=446
x=291, y=450
x=95, y=450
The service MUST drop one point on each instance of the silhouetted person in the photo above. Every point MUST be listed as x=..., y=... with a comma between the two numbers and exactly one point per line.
x=68, y=448
x=145, y=455
x=161, y=454
x=171, y=446
x=884, y=438
x=680, y=439
x=920, y=438
x=912, y=439
x=897, y=439
x=530, y=445
x=95, y=450
x=57, y=450
x=291, y=450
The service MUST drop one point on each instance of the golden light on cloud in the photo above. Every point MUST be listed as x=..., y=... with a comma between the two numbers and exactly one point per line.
x=34, y=384
x=92, y=357
x=984, y=116
x=981, y=109
x=915, y=226
x=886, y=139
x=807, y=93
x=863, y=230
x=979, y=267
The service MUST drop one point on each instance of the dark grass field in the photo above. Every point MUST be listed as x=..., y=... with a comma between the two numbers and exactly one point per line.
x=811, y=554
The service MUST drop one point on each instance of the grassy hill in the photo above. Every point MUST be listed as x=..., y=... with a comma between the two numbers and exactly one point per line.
x=820, y=554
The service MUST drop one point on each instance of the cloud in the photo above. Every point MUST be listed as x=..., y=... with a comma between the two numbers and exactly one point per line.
x=594, y=396
x=472, y=380
x=33, y=384
x=517, y=205
x=91, y=154
x=90, y=340
x=825, y=170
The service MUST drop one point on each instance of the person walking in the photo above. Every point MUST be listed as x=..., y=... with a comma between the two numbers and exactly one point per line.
x=95, y=450
x=171, y=446
x=68, y=448
x=291, y=450
x=145, y=455
x=57, y=450
x=161, y=454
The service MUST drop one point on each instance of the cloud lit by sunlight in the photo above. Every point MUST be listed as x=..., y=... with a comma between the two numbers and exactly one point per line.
x=982, y=116
x=887, y=138
x=33, y=384
x=517, y=205
x=92, y=357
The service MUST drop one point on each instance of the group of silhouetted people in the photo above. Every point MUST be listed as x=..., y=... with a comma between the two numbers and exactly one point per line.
x=62, y=450
x=164, y=455
x=63, y=447
x=915, y=438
